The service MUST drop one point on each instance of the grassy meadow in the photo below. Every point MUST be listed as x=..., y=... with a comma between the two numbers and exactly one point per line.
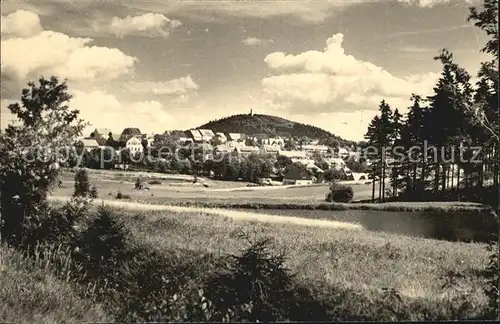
x=162, y=254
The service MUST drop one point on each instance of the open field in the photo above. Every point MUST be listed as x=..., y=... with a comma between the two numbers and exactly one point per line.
x=343, y=257
x=430, y=276
x=179, y=187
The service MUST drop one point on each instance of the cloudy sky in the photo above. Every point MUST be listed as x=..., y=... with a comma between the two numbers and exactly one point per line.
x=167, y=64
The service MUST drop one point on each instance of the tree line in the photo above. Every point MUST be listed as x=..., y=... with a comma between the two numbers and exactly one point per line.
x=454, y=128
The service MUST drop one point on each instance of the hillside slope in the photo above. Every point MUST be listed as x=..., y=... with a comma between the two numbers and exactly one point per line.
x=270, y=125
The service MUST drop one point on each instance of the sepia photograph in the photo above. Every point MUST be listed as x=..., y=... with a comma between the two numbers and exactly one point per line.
x=168, y=161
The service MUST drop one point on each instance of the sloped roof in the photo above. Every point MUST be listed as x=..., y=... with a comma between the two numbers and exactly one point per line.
x=292, y=154
x=295, y=173
x=89, y=142
x=126, y=138
x=131, y=131
x=103, y=131
x=206, y=132
x=236, y=136
x=194, y=133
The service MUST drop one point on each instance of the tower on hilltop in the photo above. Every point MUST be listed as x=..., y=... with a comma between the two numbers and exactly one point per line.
x=251, y=112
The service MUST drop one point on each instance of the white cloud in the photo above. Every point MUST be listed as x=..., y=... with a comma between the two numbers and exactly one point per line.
x=102, y=109
x=331, y=80
x=254, y=41
x=148, y=24
x=177, y=87
x=68, y=57
x=20, y=23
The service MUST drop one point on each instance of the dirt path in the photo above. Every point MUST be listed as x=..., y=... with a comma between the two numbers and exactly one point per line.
x=239, y=215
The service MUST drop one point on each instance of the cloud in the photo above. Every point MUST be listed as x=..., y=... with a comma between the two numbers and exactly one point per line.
x=20, y=23
x=102, y=109
x=148, y=24
x=54, y=53
x=254, y=41
x=177, y=87
x=331, y=80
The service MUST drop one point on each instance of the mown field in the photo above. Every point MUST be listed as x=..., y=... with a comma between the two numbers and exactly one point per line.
x=180, y=188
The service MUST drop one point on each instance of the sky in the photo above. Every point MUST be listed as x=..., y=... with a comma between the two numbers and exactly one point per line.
x=165, y=64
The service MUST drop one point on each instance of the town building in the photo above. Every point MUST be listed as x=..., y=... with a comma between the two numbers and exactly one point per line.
x=314, y=148
x=133, y=144
x=296, y=176
x=343, y=153
x=195, y=135
x=129, y=133
x=247, y=150
x=236, y=137
x=206, y=135
x=90, y=144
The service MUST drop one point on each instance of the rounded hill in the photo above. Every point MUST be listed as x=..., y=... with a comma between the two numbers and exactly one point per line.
x=269, y=125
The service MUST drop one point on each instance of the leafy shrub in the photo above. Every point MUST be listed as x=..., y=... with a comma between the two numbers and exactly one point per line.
x=340, y=193
x=332, y=175
x=119, y=195
x=82, y=184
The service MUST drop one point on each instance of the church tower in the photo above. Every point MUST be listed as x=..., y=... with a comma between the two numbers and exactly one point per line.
x=251, y=112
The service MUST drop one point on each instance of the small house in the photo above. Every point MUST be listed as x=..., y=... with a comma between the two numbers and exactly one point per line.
x=133, y=144
x=195, y=135
x=296, y=176
x=90, y=143
x=236, y=137
x=206, y=135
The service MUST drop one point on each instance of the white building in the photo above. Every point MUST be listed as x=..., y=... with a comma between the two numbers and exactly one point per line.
x=295, y=176
x=195, y=135
x=206, y=135
x=274, y=141
x=275, y=149
x=236, y=137
x=134, y=144
x=343, y=153
x=90, y=143
x=229, y=146
x=247, y=150
x=310, y=148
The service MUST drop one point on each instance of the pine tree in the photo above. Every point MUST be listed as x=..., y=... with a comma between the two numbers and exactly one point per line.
x=82, y=184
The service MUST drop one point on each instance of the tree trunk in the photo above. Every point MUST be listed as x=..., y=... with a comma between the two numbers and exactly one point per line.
x=383, y=181
x=436, y=177
x=373, y=183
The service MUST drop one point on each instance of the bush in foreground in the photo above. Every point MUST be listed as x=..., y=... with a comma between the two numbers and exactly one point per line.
x=340, y=193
